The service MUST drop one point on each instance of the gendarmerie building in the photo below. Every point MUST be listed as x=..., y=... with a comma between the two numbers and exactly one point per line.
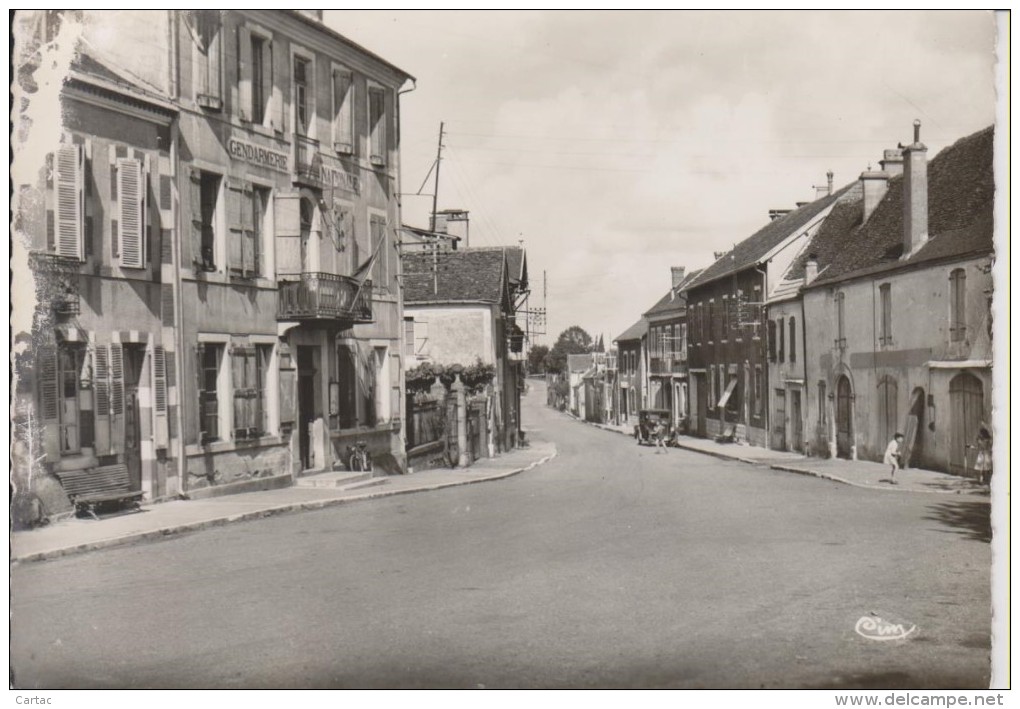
x=214, y=244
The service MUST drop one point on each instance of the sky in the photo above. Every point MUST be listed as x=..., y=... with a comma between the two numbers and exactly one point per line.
x=619, y=144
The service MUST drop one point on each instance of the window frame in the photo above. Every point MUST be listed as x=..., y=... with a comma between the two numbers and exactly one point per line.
x=342, y=117
x=958, y=305
x=378, y=130
x=885, y=337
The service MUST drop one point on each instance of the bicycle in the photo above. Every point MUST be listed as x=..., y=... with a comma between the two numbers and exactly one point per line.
x=358, y=459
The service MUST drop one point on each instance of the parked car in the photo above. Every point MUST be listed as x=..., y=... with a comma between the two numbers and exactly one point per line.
x=648, y=419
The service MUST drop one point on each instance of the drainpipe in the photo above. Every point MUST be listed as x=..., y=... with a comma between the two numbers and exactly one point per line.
x=803, y=363
x=766, y=388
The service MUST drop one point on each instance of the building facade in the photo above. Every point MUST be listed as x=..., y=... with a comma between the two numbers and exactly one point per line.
x=215, y=241
x=901, y=330
x=630, y=348
x=667, y=382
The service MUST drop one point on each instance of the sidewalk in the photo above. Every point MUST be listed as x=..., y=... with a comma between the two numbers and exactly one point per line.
x=74, y=536
x=859, y=473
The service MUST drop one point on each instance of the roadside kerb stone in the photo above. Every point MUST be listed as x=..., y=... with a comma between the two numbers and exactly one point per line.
x=307, y=506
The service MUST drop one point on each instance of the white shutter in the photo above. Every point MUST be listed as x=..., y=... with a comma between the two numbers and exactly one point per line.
x=101, y=385
x=343, y=134
x=421, y=337
x=70, y=201
x=244, y=73
x=131, y=207
x=159, y=395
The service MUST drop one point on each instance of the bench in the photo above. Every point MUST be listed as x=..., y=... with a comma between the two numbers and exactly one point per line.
x=93, y=488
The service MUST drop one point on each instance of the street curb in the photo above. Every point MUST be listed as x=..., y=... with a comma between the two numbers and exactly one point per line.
x=791, y=469
x=165, y=532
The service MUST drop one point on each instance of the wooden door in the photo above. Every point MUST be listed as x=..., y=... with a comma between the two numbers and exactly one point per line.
x=844, y=418
x=966, y=403
x=779, y=421
x=796, y=422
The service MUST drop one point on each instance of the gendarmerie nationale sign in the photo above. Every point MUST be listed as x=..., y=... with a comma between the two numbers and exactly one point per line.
x=257, y=155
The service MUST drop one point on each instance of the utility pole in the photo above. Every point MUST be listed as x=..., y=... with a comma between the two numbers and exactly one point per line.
x=435, y=199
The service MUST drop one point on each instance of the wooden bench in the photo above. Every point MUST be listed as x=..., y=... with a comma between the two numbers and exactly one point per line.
x=93, y=488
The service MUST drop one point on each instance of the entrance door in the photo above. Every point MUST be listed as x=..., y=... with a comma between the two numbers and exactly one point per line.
x=844, y=422
x=796, y=422
x=306, y=402
x=779, y=421
x=134, y=358
x=701, y=392
x=966, y=403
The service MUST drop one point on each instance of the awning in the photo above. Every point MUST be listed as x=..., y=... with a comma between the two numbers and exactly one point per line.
x=726, y=394
x=960, y=364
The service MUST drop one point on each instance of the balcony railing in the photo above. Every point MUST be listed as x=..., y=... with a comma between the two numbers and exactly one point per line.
x=323, y=296
x=668, y=364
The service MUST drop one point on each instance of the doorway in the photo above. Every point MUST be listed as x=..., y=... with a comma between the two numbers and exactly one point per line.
x=796, y=422
x=779, y=421
x=306, y=402
x=134, y=360
x=844, y=418
x=967, y=405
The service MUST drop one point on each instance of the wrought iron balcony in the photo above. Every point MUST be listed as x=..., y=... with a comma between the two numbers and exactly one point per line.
x=668, y=363
x=323, y=296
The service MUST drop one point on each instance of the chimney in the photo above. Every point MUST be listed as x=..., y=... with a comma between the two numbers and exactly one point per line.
x=678, y=274
x=892, y=162
x=828, y=177
x=873, y=185
x=810, y=268
x=915, y=194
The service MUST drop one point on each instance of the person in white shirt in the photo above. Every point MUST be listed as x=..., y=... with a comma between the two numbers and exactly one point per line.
x=892, y=455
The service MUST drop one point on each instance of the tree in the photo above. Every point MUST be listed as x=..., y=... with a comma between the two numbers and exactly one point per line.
x=537, y=359
x=573, y=340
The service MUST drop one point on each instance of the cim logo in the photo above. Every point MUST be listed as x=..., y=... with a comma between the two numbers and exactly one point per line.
x=874, y=628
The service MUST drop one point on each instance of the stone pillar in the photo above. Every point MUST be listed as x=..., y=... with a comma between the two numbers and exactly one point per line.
x=462, y=441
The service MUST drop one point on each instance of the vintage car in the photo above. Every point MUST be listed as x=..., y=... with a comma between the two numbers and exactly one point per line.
x=648, y=419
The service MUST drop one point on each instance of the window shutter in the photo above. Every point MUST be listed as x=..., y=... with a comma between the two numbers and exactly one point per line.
x=195, y=206
x=244, y=73
x=343, y=136
x=409, y=337
x=49, y=400
x=269, y=72
x=421, y=337
x=200, y=390
x=70, y=201
x=131, y=212
x=248, y=246
x=159, y=395
x=377, y=126
x=237, y=376
x=235, y=225
x=101, y=385
x=117, y=380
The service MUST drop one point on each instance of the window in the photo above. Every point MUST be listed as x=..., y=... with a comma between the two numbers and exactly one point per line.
x=793, y=339
x=343, y=116
x=772, y=340
x=246, y=207
x=421, y=337
x=302, y=96
x=255, y=73
x=822, y=403
x=725, y=317
x=205, y=28
x=409, y=337
x=377, y=125
x=205, y=196
x=712, y=321
x=781, y=333
x=759, y=384
x=209, y=357
x=885, y=337
x=840, y=320
x=712, y=398
x=958, y=305
x=59, y=371
x=68, y=176
x=249, y=367
x=380, y=253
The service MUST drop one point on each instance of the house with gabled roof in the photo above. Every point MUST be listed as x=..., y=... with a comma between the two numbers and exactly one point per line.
x=666, y=382
x=898, y=295
x=459, y=309
x=727, y=340
x=630, y=358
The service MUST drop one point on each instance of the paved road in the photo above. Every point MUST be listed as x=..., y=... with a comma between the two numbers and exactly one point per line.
x=608, y=567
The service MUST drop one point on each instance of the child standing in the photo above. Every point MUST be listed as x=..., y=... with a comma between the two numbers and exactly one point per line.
x=893, y=451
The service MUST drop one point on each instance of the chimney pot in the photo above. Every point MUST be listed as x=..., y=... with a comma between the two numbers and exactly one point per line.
x=829, y=176
x=677, y=273
x=915, y=194
x=810, y=268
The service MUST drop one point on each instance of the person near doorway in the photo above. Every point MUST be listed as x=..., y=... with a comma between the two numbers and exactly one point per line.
x=660, y=436
x=983, y=461
x=893, y=451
